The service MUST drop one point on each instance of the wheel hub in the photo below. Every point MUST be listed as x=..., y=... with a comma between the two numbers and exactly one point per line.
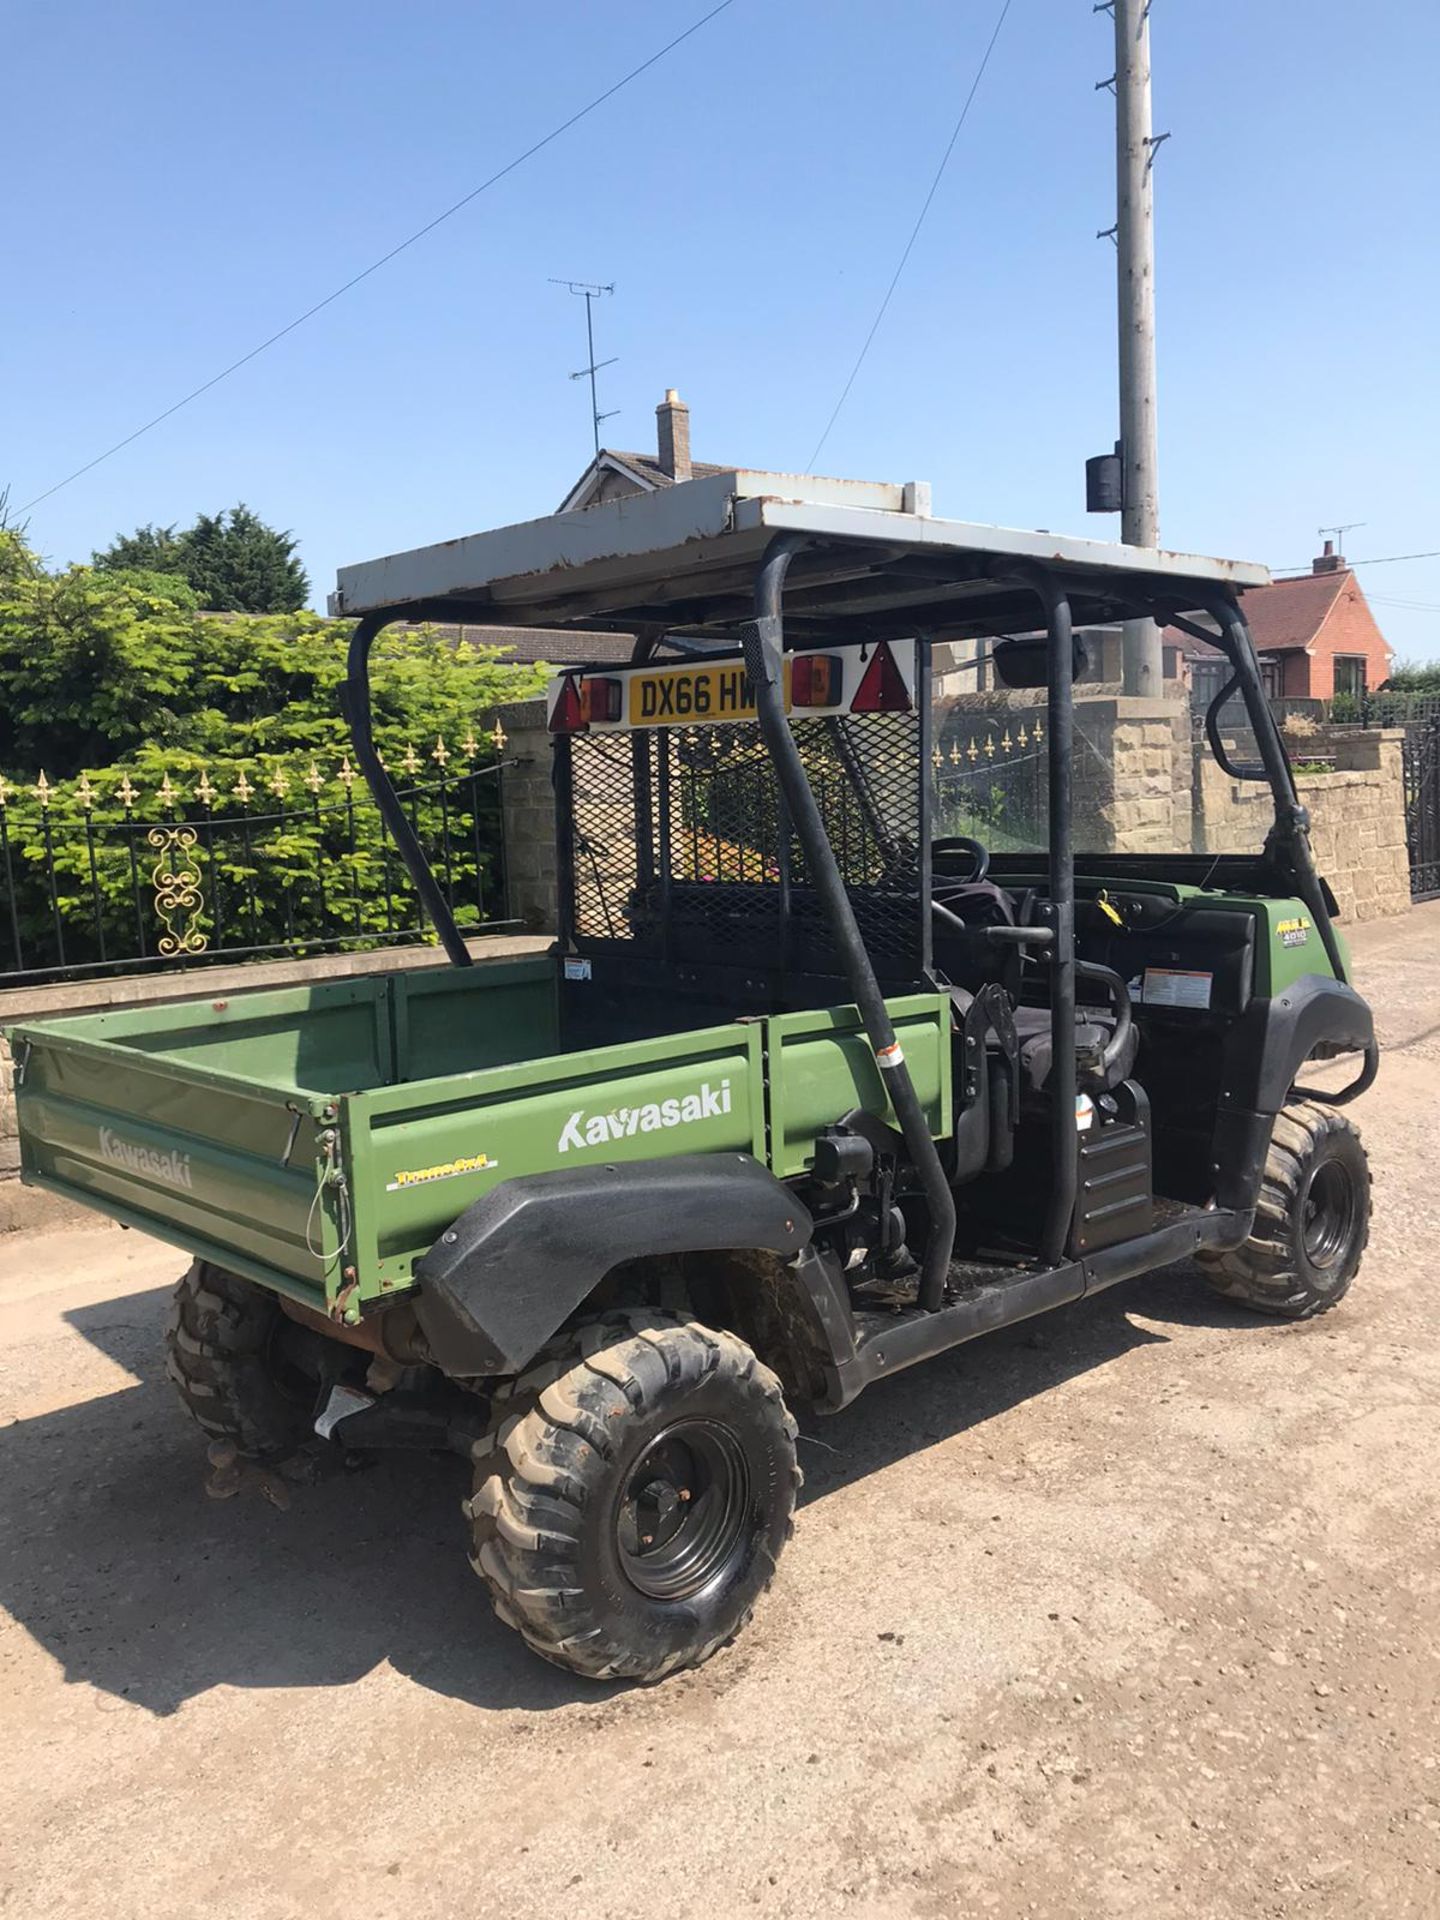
x=1329, y=1213
x=682, y=1514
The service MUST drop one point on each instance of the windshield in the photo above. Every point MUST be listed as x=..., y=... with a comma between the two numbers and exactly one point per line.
x=1144, y=779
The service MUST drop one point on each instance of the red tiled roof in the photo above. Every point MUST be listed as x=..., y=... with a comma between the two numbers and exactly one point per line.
x=1284, y=616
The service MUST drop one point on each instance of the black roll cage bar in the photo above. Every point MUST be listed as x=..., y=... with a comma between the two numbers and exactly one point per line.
x=763, y=642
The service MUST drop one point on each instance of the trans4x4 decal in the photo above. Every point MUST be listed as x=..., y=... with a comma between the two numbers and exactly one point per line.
x=654, y=1116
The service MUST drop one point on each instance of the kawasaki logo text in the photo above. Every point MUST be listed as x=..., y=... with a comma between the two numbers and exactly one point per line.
x=599, y=1129
x=173, y=1167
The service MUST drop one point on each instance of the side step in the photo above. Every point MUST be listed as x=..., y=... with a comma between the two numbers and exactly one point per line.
x=888, y=1342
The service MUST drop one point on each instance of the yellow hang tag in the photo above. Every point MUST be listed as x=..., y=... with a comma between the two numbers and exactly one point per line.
x=1108, y=908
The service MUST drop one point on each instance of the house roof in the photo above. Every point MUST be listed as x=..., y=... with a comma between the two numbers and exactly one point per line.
x=643, y=468
x=647, y=465
x=1283, y=617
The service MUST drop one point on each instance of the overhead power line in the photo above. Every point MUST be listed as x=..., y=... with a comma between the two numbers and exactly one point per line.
x=914, y=235
x=385, y=258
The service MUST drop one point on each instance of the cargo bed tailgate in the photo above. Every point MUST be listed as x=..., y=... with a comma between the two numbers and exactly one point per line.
x=213, y=1162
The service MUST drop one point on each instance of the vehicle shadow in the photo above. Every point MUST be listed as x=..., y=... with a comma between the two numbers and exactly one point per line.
x=113, y=1557
x=960, y=1390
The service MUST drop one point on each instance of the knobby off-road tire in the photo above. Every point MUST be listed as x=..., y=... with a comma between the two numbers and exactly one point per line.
x=220, y=1350
x=633, y=1494
x=1312, y=1222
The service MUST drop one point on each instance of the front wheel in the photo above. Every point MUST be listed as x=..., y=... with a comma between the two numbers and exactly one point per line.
x=633, y=1495
x=1312, y=1222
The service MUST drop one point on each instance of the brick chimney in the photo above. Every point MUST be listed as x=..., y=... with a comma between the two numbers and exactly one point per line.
x=1329, y=561
x=672, y=424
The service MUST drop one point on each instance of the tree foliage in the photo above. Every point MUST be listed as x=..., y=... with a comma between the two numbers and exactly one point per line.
x=1414, y=676
x=232, y=724
x=233, y=562
x=98, y=665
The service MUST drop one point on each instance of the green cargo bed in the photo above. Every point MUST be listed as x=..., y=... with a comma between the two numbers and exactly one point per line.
x=320, y=1139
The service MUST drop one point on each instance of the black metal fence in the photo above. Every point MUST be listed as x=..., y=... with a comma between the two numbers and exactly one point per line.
x=1421, y=757
x=990, y=774
x=244, y=865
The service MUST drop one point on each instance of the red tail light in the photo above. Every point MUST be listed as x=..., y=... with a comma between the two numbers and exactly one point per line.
x=815, y=680
x=599, y=699
x=882, y=689
x=569, y=715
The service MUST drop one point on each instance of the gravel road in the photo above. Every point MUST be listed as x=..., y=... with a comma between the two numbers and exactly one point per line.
x=1133, y=1611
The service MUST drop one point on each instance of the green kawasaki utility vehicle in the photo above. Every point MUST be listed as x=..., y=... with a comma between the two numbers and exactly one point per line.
x=843, y=1055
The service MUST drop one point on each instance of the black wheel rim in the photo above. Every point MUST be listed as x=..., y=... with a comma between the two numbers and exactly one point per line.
x=681, y=1523
x=1329, y=1214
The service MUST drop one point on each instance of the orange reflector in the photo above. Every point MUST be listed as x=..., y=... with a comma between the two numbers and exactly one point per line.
x=569, y=716
x=882, y=689
x=599, y=699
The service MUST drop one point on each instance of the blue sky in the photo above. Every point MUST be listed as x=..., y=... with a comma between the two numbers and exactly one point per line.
x=186, y=179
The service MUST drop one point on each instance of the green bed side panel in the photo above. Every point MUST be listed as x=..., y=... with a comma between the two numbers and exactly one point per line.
x=821, y=1066
x=421, y=1154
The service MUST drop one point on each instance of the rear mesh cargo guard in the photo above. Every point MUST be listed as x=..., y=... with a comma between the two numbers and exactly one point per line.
x=679, y=846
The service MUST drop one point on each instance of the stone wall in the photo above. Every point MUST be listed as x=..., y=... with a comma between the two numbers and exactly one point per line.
x=1132, y=774
x=1357, y=816
x=529, y=817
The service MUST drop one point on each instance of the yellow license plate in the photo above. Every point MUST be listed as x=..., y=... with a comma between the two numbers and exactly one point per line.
x=673, y=695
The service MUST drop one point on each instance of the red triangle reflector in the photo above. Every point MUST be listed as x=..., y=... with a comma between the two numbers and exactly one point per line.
x=569, y=716
x=882, y=689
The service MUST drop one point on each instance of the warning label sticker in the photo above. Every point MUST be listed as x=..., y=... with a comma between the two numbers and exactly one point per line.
x=1171, y=987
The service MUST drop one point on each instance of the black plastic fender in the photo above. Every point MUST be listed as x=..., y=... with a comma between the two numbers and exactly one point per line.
x=1264, y=1052
x=517, y=1264
x=1272, y=1040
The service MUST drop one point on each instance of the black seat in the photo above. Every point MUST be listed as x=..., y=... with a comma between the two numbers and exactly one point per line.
x=1094, y=1030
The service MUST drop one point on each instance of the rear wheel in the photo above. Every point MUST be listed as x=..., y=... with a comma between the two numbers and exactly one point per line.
x=633, y=1495
x=1312, y=1222
x=223, y=1352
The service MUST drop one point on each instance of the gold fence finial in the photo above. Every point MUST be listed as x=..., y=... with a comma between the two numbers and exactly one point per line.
x=243, y=790
x=470, y=746
x=278, y=784
x=411, y=760
x=85, y=793
x=499, y=739
x=345, y=774
x=204, y=792
x=167, y=792
x=125, y=793
x=314, y=779
x=440, y=753
x=42, y=791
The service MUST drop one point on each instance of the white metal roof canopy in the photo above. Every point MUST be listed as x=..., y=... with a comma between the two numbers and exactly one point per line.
x=877, y=563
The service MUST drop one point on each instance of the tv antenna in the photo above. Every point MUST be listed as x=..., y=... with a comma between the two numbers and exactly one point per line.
x=589, y=292
x=1339, y=533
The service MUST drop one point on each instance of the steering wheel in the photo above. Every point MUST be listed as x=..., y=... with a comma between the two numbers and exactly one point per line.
x=962, y=843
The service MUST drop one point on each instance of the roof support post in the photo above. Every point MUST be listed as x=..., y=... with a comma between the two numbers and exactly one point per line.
x=1061, y=725
x=764, y=643
x=1289, y=838
x=356, y=704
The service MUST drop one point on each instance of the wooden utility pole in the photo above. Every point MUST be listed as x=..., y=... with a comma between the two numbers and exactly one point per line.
x=1135, y=249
